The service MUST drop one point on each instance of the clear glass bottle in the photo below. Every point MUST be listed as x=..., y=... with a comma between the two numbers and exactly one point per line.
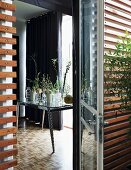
x=90, y=97
x=28, y=93
x=44, y=99
x=58, y=98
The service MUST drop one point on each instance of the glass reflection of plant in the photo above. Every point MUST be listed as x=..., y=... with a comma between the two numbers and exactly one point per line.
x=84, y=84
x=118, y=71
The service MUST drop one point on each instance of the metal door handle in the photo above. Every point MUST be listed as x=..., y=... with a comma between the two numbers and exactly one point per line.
x=91, y=133
x=91, y=122
x=106, y=123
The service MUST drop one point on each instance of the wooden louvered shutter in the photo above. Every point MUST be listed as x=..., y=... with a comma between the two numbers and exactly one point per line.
x=117, y=144
x=7, y=130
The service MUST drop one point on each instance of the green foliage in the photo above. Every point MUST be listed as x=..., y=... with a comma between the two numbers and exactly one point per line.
x=35, y=84
x=123, y=48
x=57, y=86
x=44, y=82
x=117, y=66
x=54, y=62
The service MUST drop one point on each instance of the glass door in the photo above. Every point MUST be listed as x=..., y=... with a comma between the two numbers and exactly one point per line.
x=91, y=83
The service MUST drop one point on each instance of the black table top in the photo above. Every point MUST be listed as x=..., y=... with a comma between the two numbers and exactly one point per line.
x=44, y=106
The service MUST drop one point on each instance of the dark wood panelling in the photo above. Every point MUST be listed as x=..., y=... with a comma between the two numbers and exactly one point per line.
x=7, y=74
x=117, y=155
x=7, y=120
x=115, y=113
x=116, y=134
x=4, y=109
x=8, y=142
x=7, y=52
x=8, y=153
x=8, y=63
x=8, y=164
x=7, y=29
x=112, y=142
x=7, y=6
x=4, y=40
x=7, y=131
x=116, y=127
x=117, y=162
x=122, y=166
x=119, y=119
x=7, y=18
x=8, y=86
x=115, y=149
x=7, y=97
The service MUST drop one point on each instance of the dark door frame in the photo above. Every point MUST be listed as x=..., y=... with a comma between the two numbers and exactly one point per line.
x=76, y=116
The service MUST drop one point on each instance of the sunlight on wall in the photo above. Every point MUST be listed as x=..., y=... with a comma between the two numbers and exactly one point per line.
x=66, y=57
x=67, y=48
x=21, y=32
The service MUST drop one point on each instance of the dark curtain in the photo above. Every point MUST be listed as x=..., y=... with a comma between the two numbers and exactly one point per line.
x=44, y=44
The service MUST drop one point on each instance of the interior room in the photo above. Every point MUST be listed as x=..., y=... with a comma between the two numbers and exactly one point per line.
x=65, y=85
x=42, y=36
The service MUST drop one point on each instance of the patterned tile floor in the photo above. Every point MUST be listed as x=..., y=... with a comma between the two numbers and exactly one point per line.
x=35, y=150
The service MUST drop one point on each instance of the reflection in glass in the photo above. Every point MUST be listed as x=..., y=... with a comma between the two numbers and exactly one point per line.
x=88, y=149
x=89, y=52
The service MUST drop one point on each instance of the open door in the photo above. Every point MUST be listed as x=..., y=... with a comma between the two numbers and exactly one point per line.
x=91, y=84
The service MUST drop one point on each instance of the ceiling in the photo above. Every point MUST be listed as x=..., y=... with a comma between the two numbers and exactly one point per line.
x=25, y=11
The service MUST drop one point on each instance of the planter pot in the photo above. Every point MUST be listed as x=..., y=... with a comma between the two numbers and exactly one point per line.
x=68, y=99
x=33, y=96
x=49, y=98
x=56, y=99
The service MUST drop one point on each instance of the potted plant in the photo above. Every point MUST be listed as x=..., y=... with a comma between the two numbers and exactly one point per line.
x=35, y=88
x=47, y=88
x=68, y=98
x=35, y=84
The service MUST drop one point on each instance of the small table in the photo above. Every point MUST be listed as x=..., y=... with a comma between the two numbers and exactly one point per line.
x=49, y=110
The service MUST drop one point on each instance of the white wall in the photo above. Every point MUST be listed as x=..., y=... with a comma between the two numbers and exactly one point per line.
x=21, y=32
x=66, y=57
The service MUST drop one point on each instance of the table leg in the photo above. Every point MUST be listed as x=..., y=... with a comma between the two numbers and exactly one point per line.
x=51, y=129
x=43, y=117
x=17, y=115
